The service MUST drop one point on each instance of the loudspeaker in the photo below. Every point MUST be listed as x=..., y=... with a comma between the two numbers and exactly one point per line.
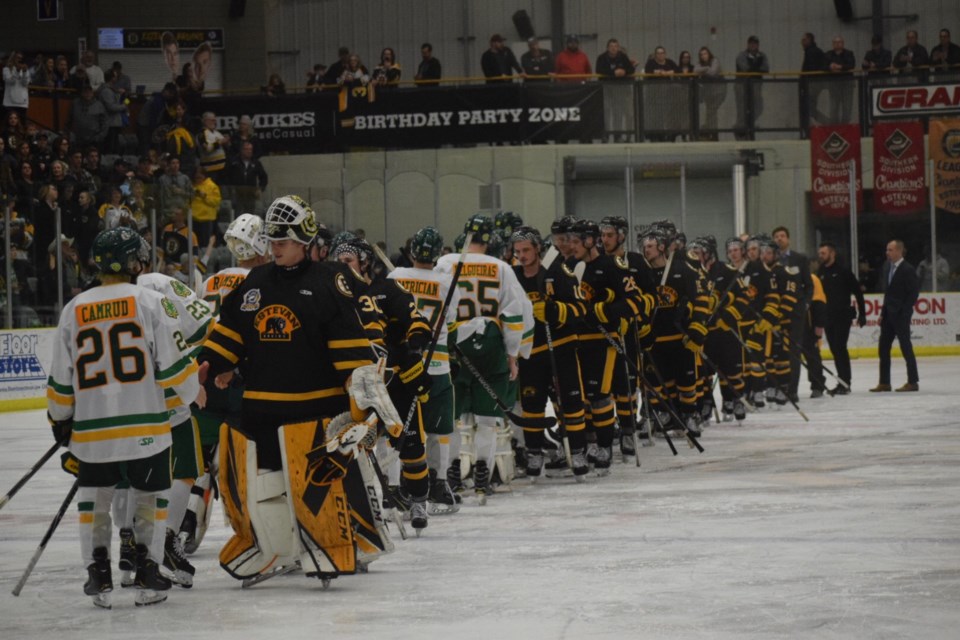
x=844, y=10
x=238, y=8
x=524, y=27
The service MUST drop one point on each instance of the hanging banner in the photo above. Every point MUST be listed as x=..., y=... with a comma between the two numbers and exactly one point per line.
x=831, y=150
x=945, y=153
x=898, y=167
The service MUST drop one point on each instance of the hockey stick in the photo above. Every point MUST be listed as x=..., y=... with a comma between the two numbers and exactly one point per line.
x=663, y=429
x=634, y=436
x=33, y=470
x=46, y=537
x=561, y=417
x=520, y=421
x=721, y=374
x=666, y=403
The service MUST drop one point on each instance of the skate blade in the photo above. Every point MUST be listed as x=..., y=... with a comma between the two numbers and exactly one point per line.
x=481, y=499
x=581, y=479
x=601, y=473
x=441, y=509
x=147, y=597
x=127, y=579
x=279, y=571
x=180, y=578
x=102, y=600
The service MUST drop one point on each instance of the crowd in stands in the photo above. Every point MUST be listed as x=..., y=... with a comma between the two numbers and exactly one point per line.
x=92, y=176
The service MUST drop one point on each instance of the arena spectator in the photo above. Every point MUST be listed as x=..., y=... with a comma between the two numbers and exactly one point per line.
x=175, y=189
x=811, y=87
x=42, y=155
x=243, y=133
x=27, y=190
x=113, y=103
x=85, y=224
x=121, y=83
x=572, y=61
x=334, y=71
x=205, y=205
x=912, y=55
x=248, y=178
x=275, y=87
x=877, y=60
x=713, y=90
x=61, y=73
x=159, y=109
x=114, y=212
x=840, y=62
x=212, y=146
x=16, y=78
x=88, y=62
x=315, y=77
x=89, y=118
x=179, y=140
x=354, y=74
x=44, y=219
x=614, y=64
x=668, y=110
x=537, y=63
x=388, y=72
x=13, y=131
x=498, y=62
x=45, y=75
x=429, y=70
x=945, y=54
x=684, y=62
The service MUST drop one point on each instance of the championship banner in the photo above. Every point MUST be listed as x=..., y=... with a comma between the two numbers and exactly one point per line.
x=831, y=150
x=296, y=124
x=413, y=118
x=945, y=153
x=898, y=167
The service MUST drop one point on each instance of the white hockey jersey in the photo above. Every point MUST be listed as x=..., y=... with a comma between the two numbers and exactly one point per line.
x=430, y=288
x=490, y=292
x=196, y=321
x=219, y=285
x=114, y=354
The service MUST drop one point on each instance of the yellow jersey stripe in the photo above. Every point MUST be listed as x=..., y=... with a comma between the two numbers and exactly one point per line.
x=228, y=355
x=294, y=397
x=100, y=435
x=230, y=333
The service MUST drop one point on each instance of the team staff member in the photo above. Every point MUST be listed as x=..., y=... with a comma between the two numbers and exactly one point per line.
x=839, y=284
x=901, y=290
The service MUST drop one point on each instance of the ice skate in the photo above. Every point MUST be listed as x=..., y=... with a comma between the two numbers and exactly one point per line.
x=99, y=580
x=592, y=453
x=628, y=450
x=273, y=573
x=739, y=411
x=602, y=465
x=176, y=561
x=690, y=426
x=442, y=500
x=534, y=462
x=780, y=398
x=481, y=481
x=580, y=466
x=151, y=584
x=128, y=558
x=727, y=411
x=418, y=515
x=759, y=401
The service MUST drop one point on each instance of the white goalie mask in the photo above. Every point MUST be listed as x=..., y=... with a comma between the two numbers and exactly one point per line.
x=290, y=218
x=245, y=238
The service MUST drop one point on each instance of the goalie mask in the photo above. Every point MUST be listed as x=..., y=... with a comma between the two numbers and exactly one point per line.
x=290, y=218
x=245, y=238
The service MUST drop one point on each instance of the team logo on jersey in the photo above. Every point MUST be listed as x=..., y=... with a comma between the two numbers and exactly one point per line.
x=528, y=392
x=251, y=300
x=588, y=291
x=622, y=262
x=276, y=323
x=180, y=289
x=169, y=308
x=342, y=286
x=567, y=270
x=668, y=296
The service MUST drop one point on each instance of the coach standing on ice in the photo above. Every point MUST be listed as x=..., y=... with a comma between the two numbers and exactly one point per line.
x=901, y=289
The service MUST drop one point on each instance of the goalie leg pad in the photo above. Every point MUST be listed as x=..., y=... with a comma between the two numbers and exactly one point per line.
x=321, y=514
x=370, y=528
x=504, y=458
x=257, y=508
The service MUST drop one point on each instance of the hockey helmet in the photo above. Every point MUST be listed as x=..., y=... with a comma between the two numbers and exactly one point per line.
x=508, y=221
x=458, y=242
x=480, y=226
x=734, y=241
x=496, y=244
x=527, y=234
x=617, y=222
x=115, y=250
x=706, y=244
x=562, y=225
x=357, y=247
x=585, y=229
x=290, y=218
x=667, y=229
x=426, y=245
x=244, y=237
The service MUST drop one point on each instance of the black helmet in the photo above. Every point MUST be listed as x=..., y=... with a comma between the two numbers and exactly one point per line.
x=508, y=221
x=586, y=229
x=562, y=225
x=617, y=222
x=706, y=244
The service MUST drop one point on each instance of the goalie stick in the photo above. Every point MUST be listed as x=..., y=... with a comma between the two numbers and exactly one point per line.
x=520, y=421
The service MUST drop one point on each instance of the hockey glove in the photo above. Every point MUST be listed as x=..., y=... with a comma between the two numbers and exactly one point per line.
x=61, y=429
x=550, y=312
x=70, y=463
x=414, y=377
x=762, y=326
x=692, y=344
x=602, y=311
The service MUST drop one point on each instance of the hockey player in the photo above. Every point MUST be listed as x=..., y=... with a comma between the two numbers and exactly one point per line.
x=785, y=282
x=114, y=355
x=292, y=329
x=489, y=330
x=722, y=347
x=195, y=319
x=554, y=293
x=394, y=325
x=245, y=241
x=559, y=231
x=613, y=299
x=678, y=325
x=429, y=288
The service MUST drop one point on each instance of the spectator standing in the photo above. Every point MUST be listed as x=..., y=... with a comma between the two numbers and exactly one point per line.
x=659, y=64
x=212, y=146
x=926, y=269
x=665, y=102
x=69, y=266
x=16, y=78
x=61, y=73
x=839, y=284
x=877, y=60
x=180, y=141
x=901, y=288
x=243, y=133
x=429, y=71
x=840, y=63
x=315, y=77
x=810, y=88
x=498, y=62
x=537, y=63
x=912, y=56
x=684, y=63
x=159, y=109
x=44, y=76
x=946, y=54
x=354, y=74
x=42, y=155
x=44, y=220
x=121, y=83
x=114, y=213
x=334, y=71
x=113, y=103
x=275, y=87
x=89, y=118
x=13, y=132
x=84, y=224
x=713, y=90
x=95, y=75
x=175, y=189
x=572, y=62
x=205, y=206
x=248, y=178
x=614, y=64
x=27, y=190
x=388, y=72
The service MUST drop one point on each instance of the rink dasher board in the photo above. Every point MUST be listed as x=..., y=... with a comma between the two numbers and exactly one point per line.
x=25, y=354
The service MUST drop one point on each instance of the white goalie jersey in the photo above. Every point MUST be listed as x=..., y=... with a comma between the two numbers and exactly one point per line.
x=114, y=354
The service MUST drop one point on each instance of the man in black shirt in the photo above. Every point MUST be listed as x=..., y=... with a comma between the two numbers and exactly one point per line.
x=877, y=60
x=946, y=54
x=911, y=56
x=614, y=64
x=840, y=62
x=537, y=63
x=810, y=87
x=839, y=284
x=429, y=68
x=498, y=62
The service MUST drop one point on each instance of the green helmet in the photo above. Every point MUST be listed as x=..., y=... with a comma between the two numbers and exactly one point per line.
x=115, y=250
x=426, y=245
x=458, y=242
x=508, y=221
x=480, y=226
x=495, y=244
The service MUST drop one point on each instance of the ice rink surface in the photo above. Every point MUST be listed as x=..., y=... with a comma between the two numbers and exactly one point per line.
x=844, y=527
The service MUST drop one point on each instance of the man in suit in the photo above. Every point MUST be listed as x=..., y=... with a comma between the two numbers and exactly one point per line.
x=901, y=290
x=798, y=328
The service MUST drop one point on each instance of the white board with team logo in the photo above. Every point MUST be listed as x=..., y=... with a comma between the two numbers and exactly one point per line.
x=934, y=328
